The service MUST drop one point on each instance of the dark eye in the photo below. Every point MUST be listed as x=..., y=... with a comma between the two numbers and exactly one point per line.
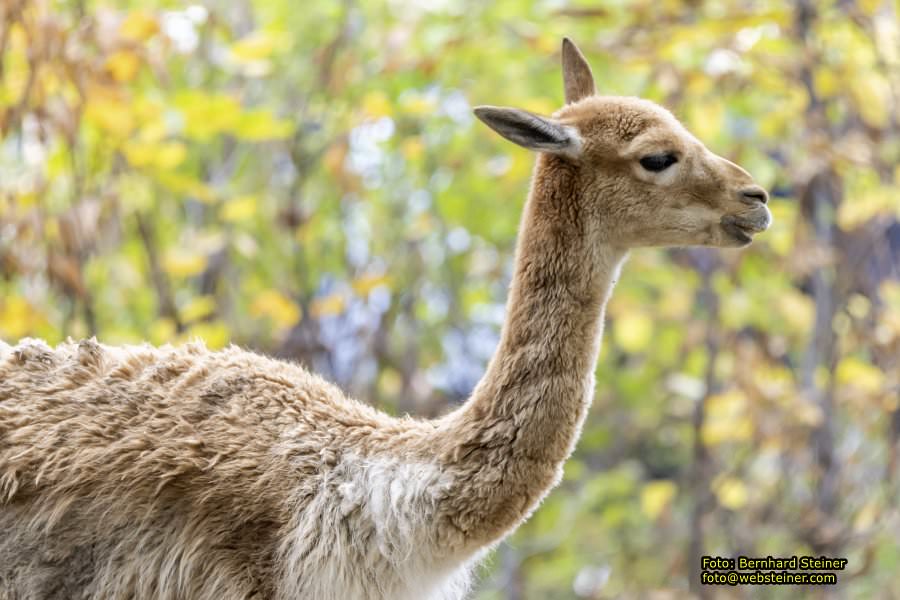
x=658, y=162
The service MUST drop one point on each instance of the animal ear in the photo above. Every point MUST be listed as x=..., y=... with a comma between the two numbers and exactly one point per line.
x=578, y=80
x=530, y=130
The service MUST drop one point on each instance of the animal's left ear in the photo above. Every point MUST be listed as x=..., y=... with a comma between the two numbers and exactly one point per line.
x=530, y=130
x=577, y=77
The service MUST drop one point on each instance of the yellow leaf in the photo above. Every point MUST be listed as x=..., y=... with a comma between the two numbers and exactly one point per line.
x=726, y=404
x=413, y=148
x=135, y=191
x=240, y=209
x=186, y=185
x=826, y=82
x=416, y=104
x=780, y=236
x=720, y=431
x=888, y=327
x=698, y=83
x=857, y=374
x=731, y=493
x=51, y=229
x=206, y=115
x=283, y=311
x=867, y=516
x=327, y=305
x=858, y=306
x=726, y=419
x=164, y=156
x=541, y=106
x=364, y=284
x=773, y=124
x=139, y=26
x=162, y=331
x=376, y=104
x=797, y=309
x=889, y=291
x=214, y=334
x=633, y=330
x=258, y=45
x=123, y=65
x=198, y=308
x=154, y=130
x=261, y=125
x=389, y=382
x=678, y=304
x=872, y=96
x=870, y=6
x=865, y=204
x=109, y=112
x=181, y=263
x=546, y=43
x=18, y=318
x=23, y=200
x=806, y=412
x=737, y=308
x=706, y=119
x=656, y=496
x=170, y=154
x=139, y=155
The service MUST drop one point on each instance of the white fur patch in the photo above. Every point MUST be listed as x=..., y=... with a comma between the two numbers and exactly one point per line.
x=369, y=533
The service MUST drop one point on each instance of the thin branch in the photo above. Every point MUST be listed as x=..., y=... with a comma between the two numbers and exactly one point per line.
x=167, y=307
x=700, y=473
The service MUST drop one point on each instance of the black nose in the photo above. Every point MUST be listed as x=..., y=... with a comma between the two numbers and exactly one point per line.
x=754, y=194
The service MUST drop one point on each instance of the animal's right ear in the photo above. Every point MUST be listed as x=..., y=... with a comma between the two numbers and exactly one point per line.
x=530, y=130
x=577, y=77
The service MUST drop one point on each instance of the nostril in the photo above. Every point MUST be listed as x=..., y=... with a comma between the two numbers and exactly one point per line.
x=755, y=194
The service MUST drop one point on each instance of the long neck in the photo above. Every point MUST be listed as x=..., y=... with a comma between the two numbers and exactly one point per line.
x=542, y=372
x=526, y=413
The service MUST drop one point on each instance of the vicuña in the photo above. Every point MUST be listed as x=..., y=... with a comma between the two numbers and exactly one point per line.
x=179, y=473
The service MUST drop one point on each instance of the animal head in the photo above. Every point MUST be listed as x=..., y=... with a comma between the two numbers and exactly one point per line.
x=634, y=170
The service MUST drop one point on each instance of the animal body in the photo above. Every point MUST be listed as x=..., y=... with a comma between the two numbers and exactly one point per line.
x=179, y=473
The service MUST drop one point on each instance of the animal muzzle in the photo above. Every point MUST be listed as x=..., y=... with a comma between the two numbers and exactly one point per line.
x=747, y=223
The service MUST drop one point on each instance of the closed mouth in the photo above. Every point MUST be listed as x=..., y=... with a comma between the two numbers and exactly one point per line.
x=741, y=234
x=742, y=228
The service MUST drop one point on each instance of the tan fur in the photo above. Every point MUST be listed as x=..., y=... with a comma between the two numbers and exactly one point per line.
x=169, y=473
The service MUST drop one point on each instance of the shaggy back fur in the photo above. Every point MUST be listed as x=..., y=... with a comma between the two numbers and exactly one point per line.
x=179, y=473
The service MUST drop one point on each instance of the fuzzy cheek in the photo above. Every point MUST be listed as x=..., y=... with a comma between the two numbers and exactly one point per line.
x=697, y=218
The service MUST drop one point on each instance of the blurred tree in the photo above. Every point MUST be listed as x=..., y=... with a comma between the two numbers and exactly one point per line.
x=308, y=181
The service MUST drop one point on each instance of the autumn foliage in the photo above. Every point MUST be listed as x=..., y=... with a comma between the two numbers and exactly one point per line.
x=309, y=182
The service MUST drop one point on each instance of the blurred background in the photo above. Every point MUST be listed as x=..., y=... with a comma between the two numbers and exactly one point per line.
x=306, y=179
